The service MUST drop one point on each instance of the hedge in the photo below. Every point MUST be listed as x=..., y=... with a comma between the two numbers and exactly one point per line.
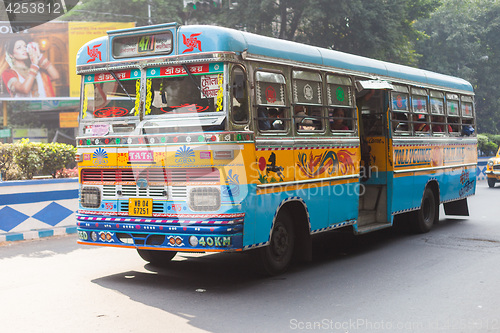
x=25, y=159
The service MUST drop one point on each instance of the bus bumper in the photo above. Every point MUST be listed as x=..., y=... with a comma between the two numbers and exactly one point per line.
x=166, y=234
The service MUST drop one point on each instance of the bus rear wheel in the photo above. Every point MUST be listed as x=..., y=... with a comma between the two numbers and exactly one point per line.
x=276, y=257
x=157, y=258
x=491, y=182
x=428, y=214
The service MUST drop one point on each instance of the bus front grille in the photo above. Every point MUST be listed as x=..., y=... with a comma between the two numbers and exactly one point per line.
x=156, y=176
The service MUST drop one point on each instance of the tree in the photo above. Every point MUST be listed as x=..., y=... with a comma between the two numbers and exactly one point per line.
x=277, y=18
x=452, y=43
x=162, y=11
x=462, y=40
x=382, y=29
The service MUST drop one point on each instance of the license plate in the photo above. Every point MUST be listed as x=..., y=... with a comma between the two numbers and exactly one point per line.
x=140, y=207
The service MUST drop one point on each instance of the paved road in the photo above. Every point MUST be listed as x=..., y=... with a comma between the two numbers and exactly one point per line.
x=390, y=281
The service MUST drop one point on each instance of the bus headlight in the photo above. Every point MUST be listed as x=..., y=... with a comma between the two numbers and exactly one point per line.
x=90, y=197
x=204, y=199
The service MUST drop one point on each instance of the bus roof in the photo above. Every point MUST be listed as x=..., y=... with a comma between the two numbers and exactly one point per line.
x=192, y=39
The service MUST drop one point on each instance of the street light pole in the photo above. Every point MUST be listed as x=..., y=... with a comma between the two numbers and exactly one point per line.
x=150, y=21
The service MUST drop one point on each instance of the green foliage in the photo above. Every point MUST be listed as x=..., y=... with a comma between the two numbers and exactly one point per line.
x=382, y=29
x=162, y=11
x=27, y=155
x=25, y=159
x=6, y=156
x=462, y=40
x=6, y=159
x=56, y=156
x=377, y=29
x=488, y=144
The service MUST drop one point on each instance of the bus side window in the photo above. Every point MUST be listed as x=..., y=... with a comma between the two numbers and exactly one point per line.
x=271, y=119
x=400, y=117
x=420, y=123
x=438, y=121
x=308, y=118
x=239, y=93
x=341, y=119
x=369, y=103
x=467, y=127
x=454, y=125
x=452, y=111
x=307, y=93
x=439, y=126
x=400, y=122
x=272, y=114
x=466, y=112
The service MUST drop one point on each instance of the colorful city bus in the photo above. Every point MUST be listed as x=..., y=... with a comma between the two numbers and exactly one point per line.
x=207, y=139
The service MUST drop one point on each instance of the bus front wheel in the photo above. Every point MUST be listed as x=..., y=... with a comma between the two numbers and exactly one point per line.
x=428, y=214
x=157, y=258
x=276, y=257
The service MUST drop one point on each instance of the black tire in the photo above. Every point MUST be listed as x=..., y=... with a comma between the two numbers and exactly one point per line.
x=428, y=214
x=491, y=182
x=157, y=258
x=276, y=257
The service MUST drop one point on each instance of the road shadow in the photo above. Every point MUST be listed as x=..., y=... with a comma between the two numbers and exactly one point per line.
x=221, y=292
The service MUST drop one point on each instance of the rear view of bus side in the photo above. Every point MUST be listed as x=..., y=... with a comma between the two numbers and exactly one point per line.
x=207, y=139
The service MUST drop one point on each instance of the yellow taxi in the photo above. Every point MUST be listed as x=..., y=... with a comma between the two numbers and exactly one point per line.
x=493, y=170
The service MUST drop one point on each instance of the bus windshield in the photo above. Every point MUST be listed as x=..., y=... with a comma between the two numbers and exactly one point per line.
x=184, y=99
x=109, y=102
x=177, y=99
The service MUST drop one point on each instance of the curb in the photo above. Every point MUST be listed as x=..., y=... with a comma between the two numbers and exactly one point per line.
x=34, y=209
x=36, y=234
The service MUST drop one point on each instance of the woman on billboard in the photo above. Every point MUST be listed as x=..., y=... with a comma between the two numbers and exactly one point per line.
x=29, y=72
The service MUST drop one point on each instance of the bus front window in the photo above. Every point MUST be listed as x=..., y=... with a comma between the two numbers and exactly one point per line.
x=108, y=105
x=185, y=103
x=182, y=95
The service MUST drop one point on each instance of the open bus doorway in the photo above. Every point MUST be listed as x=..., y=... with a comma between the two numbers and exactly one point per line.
x=372, y=105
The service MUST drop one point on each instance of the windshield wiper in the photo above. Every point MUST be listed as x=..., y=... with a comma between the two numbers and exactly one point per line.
x=120, y=83
x=191, y=76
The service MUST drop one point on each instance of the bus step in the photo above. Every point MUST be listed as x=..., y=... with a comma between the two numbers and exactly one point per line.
x=372, y=227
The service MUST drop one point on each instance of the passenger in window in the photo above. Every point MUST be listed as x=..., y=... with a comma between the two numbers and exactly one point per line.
x=263, y=117
x=276, y=123
x=454, y=124
x=337, y=120
x=439, y=125
x=304, y=123
x=300, y=108
x=467, y=130
x=419, y=123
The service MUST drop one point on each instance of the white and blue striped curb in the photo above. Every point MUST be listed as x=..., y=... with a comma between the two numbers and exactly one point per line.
x=37, y=208
x=35, y=234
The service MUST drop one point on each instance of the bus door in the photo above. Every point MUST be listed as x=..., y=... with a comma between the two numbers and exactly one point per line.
x=372, y=101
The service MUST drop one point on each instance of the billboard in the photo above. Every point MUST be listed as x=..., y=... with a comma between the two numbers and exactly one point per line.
x=39, y=63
